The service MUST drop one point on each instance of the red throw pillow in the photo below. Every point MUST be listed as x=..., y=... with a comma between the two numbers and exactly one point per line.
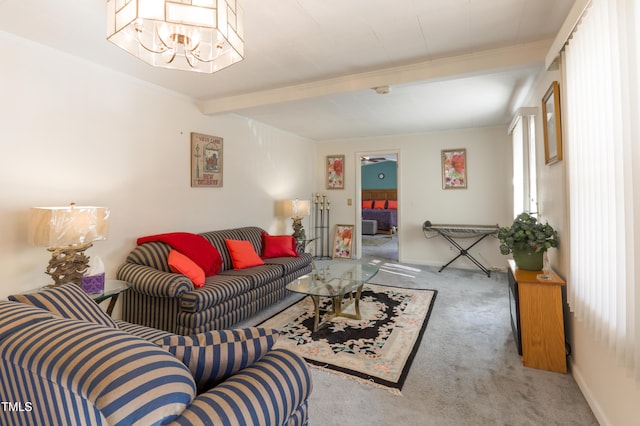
x=181, y=264
x=278, y=246
x=368, y=204
x=379, y=204
x=242, y=253
x=392, y=204
x=194, y=246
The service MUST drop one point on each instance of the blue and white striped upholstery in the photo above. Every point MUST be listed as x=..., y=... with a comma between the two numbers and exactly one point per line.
x=216, y=290
x=273, y=391
x=19, y=316
x=67, y=301
x=147, y=333
x=214, y=356
x=154, y=254
x=291, y=264
x=259, y=275
x=169, y=301
x=153, y=282
x=75, y=372
x=218, y=317
x=57, y=371
x=150, y=311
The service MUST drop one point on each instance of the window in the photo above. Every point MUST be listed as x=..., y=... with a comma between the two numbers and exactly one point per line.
x=524, y=162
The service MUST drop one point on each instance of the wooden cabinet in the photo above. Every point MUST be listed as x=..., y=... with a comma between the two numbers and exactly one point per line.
x=541, y=319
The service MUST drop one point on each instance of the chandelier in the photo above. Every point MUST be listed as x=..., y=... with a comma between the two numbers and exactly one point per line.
x=192, y=35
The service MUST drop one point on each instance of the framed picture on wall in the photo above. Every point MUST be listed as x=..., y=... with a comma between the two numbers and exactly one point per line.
x=206, y=160
x=335, y=171
x=454, y=168
x=342, y=242
x=552, y=124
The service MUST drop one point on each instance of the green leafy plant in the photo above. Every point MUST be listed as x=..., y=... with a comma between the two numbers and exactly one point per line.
x=526, y=233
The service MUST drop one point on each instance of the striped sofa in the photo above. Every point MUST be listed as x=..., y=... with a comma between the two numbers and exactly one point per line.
x=62, y=362
x=168, y=301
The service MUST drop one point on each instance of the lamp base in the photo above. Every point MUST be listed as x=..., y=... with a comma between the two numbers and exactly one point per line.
x=68, y=264
x=298, y=230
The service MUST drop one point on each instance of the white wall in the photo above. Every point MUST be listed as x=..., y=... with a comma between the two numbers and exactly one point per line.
x=486, y=201
x=612, y=395
x=71, y=131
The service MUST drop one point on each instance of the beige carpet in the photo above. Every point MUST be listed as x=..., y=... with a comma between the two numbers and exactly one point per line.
x=377, y=350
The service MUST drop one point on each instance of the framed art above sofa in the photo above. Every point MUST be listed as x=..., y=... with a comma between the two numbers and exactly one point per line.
x=206, y=161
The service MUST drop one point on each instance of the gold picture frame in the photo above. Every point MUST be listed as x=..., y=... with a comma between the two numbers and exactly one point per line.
x=454, y=168
x=206, y=161
x=342, y=242
x=335, y=171
x=552, y=124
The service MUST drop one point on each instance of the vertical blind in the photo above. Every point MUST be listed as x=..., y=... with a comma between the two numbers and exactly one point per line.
x=602, y=130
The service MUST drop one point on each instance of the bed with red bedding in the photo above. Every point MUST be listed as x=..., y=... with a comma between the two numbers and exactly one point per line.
x=381, y=205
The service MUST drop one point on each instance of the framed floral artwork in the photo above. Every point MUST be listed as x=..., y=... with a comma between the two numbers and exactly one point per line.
x=335, y=172
x=551, y=124
x=206, y=161
x=342, y=242
x=454, y=168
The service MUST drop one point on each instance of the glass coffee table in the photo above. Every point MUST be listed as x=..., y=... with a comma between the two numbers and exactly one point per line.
x=112, y=289
x=336, y=281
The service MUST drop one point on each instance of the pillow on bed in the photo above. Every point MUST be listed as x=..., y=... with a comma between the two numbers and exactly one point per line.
x=392, y=204
x=379, y=204
x=368, y=204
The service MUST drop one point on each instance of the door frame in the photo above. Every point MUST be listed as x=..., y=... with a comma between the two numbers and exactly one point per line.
x=358, y=196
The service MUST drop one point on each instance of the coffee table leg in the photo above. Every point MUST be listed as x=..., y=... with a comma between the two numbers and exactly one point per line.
x=316, y=304
x=336, y=308
x=357, y=302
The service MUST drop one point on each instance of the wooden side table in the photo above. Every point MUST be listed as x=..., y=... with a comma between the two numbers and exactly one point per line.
x=112, y=289
x=541, y=319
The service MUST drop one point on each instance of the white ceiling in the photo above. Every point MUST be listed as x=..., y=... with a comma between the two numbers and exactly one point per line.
x=310, y=64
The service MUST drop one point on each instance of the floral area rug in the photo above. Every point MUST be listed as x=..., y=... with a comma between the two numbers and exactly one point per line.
x=377, y=349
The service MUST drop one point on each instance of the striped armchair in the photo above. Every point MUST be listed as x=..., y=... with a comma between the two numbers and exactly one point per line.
x=169, y=301
x=66, y=366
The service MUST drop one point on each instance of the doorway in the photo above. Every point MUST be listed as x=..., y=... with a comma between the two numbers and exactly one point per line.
x=378, y=205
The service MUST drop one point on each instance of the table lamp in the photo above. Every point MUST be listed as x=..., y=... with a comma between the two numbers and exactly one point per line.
x=296, y=210
x=67, y=232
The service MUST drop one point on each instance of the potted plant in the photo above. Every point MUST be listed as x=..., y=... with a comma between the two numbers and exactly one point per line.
x=527, y=239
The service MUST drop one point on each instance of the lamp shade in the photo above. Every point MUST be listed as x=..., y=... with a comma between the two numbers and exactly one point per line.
x=297, y=208
x=66, y=226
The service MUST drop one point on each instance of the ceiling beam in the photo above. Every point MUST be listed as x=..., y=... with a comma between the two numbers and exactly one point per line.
x=447, y=68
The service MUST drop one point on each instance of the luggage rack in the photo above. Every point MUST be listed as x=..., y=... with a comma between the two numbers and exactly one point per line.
x=451, y=232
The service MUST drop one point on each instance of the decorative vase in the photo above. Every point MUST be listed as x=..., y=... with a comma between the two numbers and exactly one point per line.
x=528, y=259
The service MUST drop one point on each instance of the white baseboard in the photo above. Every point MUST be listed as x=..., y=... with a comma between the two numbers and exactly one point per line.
x=593, y=404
